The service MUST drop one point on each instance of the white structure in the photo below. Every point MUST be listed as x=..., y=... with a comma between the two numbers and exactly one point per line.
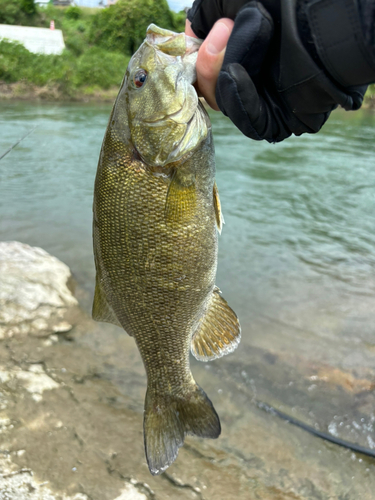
x=37, y=40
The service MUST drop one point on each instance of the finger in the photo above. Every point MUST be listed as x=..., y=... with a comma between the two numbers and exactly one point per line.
x=188, y=30
x=249, y=111
x=210, y=59
x=250, y=39
x=236, y=91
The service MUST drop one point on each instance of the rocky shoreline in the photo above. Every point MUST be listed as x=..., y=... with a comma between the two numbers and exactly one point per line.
x=71, y=410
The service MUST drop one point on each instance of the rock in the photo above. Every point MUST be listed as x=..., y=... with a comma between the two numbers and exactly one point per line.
x=130, y=492
x=19, y=484
x=71, y=410
x=35, y=298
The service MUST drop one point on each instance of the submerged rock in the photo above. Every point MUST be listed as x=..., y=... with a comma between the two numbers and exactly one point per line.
x=35, y=297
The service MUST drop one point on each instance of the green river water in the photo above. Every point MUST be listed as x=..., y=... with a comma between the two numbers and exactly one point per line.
x=296, y=262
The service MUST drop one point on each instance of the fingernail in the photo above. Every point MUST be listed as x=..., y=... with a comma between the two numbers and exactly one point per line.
x=217, y=39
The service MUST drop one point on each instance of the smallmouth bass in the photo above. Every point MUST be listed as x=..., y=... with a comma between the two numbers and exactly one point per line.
x=156, y=217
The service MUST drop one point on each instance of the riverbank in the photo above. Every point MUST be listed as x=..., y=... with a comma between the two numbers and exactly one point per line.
x=71, y=415
x=98, y=47
x=25, y=91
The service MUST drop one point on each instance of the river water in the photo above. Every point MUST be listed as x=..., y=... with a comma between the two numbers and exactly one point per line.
x=296, y=256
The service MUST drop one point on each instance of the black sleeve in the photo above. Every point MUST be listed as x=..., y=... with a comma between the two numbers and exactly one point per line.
x=339, y=35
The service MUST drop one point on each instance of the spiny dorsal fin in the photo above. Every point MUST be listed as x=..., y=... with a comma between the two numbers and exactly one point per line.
x=101, y=310
x=218, y=213
x=218, y=332
x=180, y=205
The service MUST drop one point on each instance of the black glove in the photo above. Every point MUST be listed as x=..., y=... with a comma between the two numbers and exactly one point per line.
x=270, y=85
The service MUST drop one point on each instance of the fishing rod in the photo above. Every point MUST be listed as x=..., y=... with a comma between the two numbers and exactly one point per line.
x=16, y=143
x=323, y=435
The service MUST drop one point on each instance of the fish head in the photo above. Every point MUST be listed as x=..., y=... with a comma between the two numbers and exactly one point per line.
x=165, y=119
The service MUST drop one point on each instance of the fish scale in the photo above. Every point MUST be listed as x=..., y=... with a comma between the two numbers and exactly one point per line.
x=149, y=253
x=155, y=247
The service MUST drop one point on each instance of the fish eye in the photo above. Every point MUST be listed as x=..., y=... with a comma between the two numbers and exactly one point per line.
x=139, y=78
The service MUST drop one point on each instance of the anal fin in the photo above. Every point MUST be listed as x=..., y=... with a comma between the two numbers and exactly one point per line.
x=101, y=310
x=218, y=332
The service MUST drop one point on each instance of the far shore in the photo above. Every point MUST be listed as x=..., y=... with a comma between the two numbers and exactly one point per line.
x=25, y=91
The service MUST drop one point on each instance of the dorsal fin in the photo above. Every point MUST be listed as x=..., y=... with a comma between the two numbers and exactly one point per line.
x=218, y=332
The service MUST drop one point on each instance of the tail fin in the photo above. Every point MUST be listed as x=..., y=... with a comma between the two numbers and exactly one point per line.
x=168, y=418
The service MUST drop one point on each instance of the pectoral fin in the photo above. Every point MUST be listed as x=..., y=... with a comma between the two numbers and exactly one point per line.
x=219, y=331
x=101, y=310
x=218, y=213
x=181, y=200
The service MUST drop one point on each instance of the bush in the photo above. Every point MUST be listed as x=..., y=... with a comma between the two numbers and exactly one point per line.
x=95, y=68
x=17, y=63
x=122, y=27
x=14, y=59
x=28, y=7
x=179, y=19
x=17, y=12
x=98, y=67
x=73, y=12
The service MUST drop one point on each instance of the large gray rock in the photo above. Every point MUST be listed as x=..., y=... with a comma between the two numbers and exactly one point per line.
x=35, y=298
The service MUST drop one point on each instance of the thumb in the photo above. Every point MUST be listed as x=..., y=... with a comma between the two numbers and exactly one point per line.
x=210, y=59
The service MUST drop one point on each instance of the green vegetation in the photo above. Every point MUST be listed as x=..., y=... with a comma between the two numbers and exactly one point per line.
x=94, y=69
x=99, y=43
x=21, y=12
x=123, y=26
x=369, y=101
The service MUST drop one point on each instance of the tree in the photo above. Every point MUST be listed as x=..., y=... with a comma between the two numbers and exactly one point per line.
x=17, y=12
x=122, y=27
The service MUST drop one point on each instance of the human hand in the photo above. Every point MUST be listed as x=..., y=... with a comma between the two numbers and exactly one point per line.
x=269, y=85
x=210, y=58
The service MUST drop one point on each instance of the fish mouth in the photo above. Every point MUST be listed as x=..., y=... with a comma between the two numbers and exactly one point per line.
x=193, y=132
x=183, y=116
x=185, y=97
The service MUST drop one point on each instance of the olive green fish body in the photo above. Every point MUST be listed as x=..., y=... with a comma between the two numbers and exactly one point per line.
x=155, y=245
x=151, y=269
